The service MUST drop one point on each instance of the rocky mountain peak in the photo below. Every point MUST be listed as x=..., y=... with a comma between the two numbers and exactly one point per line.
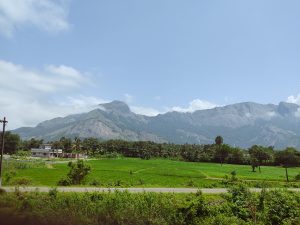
x=116, y=106
x=242, y=124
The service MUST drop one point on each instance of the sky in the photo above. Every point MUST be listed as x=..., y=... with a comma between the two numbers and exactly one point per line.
x=60, y=57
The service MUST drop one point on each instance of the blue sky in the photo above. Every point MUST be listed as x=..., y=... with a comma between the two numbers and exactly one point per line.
x=59, y=57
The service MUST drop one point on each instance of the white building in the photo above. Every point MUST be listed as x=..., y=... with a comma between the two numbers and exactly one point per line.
x=46, y=151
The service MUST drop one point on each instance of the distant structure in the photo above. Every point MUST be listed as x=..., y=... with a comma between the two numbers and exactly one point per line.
x=46, y=151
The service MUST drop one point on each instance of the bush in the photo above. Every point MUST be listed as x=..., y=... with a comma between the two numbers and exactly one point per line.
x=118, y=183
x=190, y=183
x=53, y=193
x=78, y=172
x=141, y=182
x=241, y=201
x=22, y=153
x=297, y=177
x=8, y=176
x=2, y=191
x=270, y=208
x=23, y=181
x=95, y=183
x=282, y=207
x=64, y=182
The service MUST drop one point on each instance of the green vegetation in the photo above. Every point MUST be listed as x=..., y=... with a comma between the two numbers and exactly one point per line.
x=238, y=207
x=256, y=156
x=78, y=172
x=127, y=172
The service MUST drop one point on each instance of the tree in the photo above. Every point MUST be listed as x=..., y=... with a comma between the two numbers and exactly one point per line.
x=222, y=153
x=289, y=157
x=219, y=140
x=32, y=143
x=66, y=144
x=90, y=144
x=254, y=163
x=259, y=153
x=236, y=156
x=12, y=142
x=77, y=144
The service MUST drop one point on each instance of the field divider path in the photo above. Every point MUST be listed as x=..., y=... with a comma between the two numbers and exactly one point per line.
x=132, y=190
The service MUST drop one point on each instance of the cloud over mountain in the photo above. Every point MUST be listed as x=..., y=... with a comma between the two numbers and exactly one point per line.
x=47, y=15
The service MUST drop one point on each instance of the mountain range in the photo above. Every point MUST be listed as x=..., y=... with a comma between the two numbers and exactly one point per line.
x=242, y=124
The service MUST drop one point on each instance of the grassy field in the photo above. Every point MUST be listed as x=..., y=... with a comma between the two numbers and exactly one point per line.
x=131, y=172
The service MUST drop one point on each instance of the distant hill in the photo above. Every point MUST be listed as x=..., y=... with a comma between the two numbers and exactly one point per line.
x=242, y=124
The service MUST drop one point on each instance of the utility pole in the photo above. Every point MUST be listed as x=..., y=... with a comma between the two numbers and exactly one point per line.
x=4, y=121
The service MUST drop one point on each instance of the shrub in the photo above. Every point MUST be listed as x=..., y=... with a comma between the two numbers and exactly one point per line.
x=141, y=181
x=22, y=181
x=78, y=172
x=118, y=183
x=297, y=177
x=95, y=183
x=2, y=191
x=64, y=181
x=53, y=193
x=241, y=201
x=9, y=175
x=282, y=207
x=190, y=183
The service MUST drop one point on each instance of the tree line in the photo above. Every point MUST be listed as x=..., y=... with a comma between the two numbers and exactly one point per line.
x=217, y=152
x=256, y=156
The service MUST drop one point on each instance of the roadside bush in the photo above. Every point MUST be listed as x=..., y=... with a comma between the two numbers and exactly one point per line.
x=268, y=208
x=222, y=219
x=281, y=207
x=53, y=193
x=241, y=201
x=194, y=209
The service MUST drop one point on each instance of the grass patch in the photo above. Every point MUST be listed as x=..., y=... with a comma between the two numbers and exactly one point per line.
x=132, y=172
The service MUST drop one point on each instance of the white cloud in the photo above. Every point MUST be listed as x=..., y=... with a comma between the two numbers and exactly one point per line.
x=81, y=103
x=147, y=111
x=30, y=96
x=194, y=105
x=128, y=98
x=47, y=15
x=294, y=99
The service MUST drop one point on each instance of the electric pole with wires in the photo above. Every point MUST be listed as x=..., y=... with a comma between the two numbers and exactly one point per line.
x=4, y=122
